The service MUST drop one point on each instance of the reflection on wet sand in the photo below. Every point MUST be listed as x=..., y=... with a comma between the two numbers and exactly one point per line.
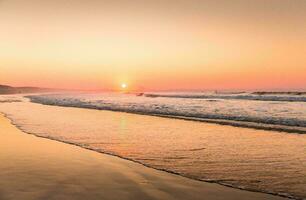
x=35, y=168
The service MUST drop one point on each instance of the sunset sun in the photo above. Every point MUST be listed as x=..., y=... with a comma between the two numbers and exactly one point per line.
x=123, y=85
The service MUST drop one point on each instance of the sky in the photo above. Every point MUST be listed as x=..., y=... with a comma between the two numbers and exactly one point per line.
x=154, y=44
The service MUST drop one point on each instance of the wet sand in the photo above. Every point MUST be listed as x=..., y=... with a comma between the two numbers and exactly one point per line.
x=37, y=168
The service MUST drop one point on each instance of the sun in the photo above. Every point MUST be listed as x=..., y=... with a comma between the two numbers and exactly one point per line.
x=123, y=85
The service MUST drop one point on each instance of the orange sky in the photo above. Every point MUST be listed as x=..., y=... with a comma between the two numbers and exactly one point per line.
x=154, y=44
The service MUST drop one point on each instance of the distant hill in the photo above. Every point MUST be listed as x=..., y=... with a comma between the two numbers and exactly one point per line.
x=5, y=89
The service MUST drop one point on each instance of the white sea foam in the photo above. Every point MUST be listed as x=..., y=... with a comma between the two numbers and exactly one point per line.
x=229, y=109
x=260, y=96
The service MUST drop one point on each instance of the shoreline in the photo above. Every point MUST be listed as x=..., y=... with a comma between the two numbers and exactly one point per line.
x=142, y=164
x=204, y=184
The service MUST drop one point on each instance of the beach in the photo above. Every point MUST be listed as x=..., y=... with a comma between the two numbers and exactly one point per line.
x=38, y=168
x=249, y=159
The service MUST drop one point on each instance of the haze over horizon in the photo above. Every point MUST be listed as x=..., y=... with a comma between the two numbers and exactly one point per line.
x=155, y=45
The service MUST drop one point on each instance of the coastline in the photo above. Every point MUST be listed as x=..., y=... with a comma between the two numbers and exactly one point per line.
x=92, y=129
x=113, y=176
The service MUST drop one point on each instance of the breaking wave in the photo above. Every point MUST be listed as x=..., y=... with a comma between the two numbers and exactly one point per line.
x=282, y=116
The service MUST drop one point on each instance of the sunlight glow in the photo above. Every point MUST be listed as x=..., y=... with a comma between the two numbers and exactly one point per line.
x=123, y=85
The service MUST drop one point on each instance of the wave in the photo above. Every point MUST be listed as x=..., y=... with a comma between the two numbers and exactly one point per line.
x=252, y=96
x=266, y=122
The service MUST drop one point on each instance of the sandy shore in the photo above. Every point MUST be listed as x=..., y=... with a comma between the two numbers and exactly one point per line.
x=36, y=168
